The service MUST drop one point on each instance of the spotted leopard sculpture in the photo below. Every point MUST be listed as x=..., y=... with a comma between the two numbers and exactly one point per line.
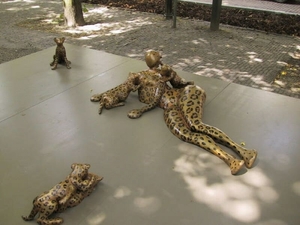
x=116, y=96
x=60, y=56
x=182, y=103
x=78, y=185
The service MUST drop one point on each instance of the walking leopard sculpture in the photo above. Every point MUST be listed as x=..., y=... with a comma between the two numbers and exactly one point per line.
x=183, y=108
x=116, y=96
x=60, y=56
x=69, y=193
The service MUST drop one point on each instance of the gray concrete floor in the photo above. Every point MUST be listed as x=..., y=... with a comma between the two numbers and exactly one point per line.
x=150, y=177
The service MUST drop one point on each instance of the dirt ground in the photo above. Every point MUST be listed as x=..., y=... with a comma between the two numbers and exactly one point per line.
x=288, y=77
x=265, y=21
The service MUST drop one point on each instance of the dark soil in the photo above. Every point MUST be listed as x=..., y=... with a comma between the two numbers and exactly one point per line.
x=265, y=21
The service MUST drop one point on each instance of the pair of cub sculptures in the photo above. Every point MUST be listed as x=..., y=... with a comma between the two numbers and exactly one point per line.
x=159, y=86
x=69, y=193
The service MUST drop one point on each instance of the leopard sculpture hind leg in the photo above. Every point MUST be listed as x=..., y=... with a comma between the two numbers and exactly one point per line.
x=184, y=121
x=178, y=126
x=192, y=109
x=43, y=218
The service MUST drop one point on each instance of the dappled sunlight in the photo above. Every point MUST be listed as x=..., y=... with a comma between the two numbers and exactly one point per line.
x=135, y=55
x=122, y=192
x=15, y=1
x=98, y=24
x=232, y=75
x=236, y=196
x=96, y=219
x=101, y=11
x=147, y=205
x=281, y=63
x=27, y=5
x=253, y=57
x=141, y=202
x=110, y=28
x=223, y=74
x=296, y=188
x=199, y=41
x=90, y=28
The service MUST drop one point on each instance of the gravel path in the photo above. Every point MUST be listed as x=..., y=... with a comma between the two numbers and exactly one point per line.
x=242, y=56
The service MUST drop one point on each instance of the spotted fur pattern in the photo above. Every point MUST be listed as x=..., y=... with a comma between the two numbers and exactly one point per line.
x=60, y=56
x=68, y=193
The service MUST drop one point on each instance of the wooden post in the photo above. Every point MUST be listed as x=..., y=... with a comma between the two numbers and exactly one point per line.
x=174, y=13
x=215, y=16
x=168, y=9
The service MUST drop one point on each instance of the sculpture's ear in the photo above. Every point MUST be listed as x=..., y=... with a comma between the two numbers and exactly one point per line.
x=136, y=81
x=63, y=39
x=87, y=166
x=55, y=40
x=73, y=166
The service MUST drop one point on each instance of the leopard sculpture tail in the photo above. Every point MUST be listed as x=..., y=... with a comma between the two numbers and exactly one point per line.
x=33, y=212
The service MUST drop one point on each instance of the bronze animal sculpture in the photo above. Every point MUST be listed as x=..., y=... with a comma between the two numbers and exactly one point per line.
x=116, y=96
x=60, y=56
x=182, y=103
x=78, y=185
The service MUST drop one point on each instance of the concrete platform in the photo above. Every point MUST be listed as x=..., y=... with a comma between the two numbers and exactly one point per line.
x=150, y=177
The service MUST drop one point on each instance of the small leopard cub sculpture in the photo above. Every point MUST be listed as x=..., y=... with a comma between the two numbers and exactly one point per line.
x=60, y=54
x=116, y=96
x=68, y=193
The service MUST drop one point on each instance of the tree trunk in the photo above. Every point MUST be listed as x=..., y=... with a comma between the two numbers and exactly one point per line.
x=73, y=13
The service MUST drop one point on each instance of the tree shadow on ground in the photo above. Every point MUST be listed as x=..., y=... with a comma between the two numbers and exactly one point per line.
x=233, y=55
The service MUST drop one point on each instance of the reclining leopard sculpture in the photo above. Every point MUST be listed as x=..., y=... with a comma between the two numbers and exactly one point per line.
x=182, y=103
x=78, y=185
x=116, y=96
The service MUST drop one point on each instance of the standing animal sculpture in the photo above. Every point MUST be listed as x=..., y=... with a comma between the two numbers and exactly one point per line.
x=60, y=56
x=116, y=96
x=78, y=185
x=182, y=103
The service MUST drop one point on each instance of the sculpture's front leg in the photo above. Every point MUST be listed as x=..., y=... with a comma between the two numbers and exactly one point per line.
x=67, y=62
x=136, y=113
x=54, y=63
